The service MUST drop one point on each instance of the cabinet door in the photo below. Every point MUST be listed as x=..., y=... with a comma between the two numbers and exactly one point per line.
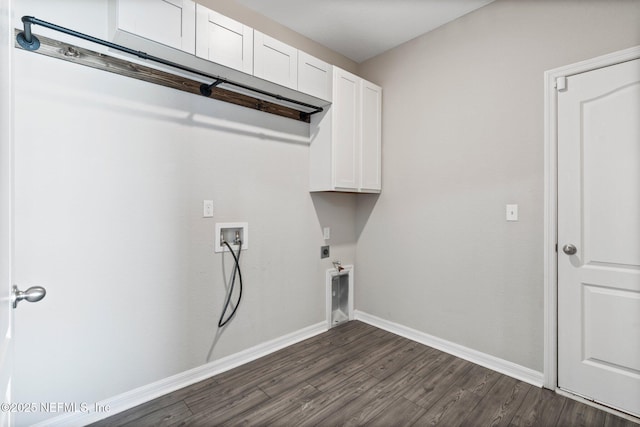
x=170, y=22
x=346, y=130
x=275, y=61
x=223, y=40
x=314, y=76
x=371, y=138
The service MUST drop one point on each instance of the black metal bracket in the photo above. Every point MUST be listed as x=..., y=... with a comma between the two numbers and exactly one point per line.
x=25, y=39
x=205, y=89
x=30, y=42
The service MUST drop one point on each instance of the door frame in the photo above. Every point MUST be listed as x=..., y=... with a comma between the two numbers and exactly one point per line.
x=550, y=367
x=6, y=205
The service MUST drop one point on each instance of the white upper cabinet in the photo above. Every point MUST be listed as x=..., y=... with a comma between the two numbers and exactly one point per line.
x=314, y=76
x=371, y=137
x=201, y=39
x=348, y=157
x=223, y=40
x=275, y=61
x=346, y=131
x=169, y=22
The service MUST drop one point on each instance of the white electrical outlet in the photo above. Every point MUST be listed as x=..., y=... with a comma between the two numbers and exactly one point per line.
x=207, y=208
x=512, y=212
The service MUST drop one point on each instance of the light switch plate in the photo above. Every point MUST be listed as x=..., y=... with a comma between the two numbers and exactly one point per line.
x=512, y=212
x=207, y=208
x=326, y=233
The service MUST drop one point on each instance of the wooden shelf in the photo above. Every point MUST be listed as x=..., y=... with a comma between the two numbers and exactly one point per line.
x=71, y=53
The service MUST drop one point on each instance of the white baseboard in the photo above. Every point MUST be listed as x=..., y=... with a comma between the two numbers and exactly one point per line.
x=138, y=396
x=511, y=369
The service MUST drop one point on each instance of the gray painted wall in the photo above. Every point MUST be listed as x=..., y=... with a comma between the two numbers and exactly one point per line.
x=462, y=137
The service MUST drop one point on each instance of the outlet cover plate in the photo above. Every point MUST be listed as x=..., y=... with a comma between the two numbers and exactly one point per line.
x=324, y=252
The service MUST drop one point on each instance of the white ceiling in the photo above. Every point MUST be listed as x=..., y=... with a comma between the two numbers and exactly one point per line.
x=362, y=29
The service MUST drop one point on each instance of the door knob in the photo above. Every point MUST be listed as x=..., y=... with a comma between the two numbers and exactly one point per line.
x=569, y=249
x=33, y=294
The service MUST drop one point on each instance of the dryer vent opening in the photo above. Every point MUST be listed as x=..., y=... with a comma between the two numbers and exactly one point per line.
x=340, y=296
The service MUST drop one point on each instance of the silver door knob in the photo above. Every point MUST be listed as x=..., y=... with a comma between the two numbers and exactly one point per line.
x=33, y=294
x=569, y=249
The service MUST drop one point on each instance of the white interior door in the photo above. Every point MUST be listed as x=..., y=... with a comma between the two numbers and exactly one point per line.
x=599, y=214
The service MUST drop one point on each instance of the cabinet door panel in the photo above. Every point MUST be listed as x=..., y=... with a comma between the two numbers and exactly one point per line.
x=314, y=76
x=170, y=22
x=223, y=40
x=371, y=140
x=346, y=129
x=348, y=158
x=275, y=61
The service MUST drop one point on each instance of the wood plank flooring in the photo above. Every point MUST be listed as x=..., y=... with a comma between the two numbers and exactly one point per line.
x=356, y=374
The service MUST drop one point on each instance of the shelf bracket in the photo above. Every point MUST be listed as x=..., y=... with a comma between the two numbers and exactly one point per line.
x=205, y=89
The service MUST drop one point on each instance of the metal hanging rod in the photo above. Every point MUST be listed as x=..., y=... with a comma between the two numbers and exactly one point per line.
x=28, y=41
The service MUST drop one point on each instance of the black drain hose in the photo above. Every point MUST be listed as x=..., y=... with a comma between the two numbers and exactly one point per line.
x=222, y=322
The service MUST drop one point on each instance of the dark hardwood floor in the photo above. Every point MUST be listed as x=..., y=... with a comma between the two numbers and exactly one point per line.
x=356, y=374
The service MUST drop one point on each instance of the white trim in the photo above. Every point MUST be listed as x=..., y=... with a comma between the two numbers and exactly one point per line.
x=511, y=369
x=135, y=397
x=6, y=207
x=550, y=369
